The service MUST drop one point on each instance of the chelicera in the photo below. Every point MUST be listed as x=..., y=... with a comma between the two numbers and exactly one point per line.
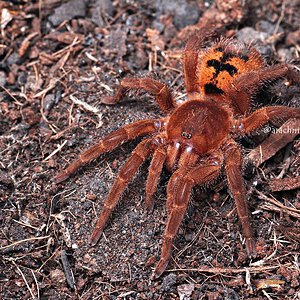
x=195, y=141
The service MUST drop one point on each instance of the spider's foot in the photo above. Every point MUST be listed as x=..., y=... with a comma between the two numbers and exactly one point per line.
x=149, y=204
x=60, y=177
x=251, y=248
x=110, y=100
x=96, y=234
x=159, y=269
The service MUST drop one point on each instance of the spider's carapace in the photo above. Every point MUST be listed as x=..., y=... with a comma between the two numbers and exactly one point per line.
x=196, y=139
x=195, y=122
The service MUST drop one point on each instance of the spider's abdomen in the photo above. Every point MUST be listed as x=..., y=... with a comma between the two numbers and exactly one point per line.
x=203, y=125
x=221, y=64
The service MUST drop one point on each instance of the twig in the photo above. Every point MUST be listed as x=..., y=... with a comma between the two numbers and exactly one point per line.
x=24, y=278
x=267, y=295
x=11, y=95
x=289, y=183
x=37, y=285
x=270, y=207
x=48, y=259
x=192, y=242
x=232, y=270
x=280, y=18
x=89, y=108
x=263, y=261
x=55, y=151
x=289, y=210
x=23, y=241
x=60, y=52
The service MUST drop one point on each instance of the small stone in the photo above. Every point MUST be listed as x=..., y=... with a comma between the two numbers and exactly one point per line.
x=57, y=276
x=91, y=197
x=100, y=9
x=247, y=35
x=189, y=237
x=168, y=282
x=268, y=27
x=184, y=12
x=293, y=38
x=185, y=291
x=30, y=116
x=2, y=78
x=68, y=11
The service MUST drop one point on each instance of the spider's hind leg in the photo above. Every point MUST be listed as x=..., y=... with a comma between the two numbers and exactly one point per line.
x=233, y=167
x=247, y=84
x=266, y=114
x=250, y=81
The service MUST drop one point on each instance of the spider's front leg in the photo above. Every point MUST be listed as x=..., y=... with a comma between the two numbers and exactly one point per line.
x=233, y=167
x=179, y=191
x=190, y=60
x=113, y=140
x=162, y=94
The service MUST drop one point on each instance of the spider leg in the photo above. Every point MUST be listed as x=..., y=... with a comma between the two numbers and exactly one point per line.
x=233, y=167
x=190, y=57
x=173, y=151
x=266, y=114
x=246, y=84
x=187, y=160
x=159, y=157
x=250, y=81
x=180, y=194
x=126, y=174
x=179, y=189
x=113, y=140
x=161, y=92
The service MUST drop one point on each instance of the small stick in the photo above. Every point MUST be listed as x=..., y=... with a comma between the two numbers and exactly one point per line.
x=285, y=184
x=232, y=270
x=23, y=241
x=37, y=285
x=55, y=151
x=277, y=203
x=88, y=108
x=24, y=278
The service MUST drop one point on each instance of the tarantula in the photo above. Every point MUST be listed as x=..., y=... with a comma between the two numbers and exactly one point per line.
x=196, y=139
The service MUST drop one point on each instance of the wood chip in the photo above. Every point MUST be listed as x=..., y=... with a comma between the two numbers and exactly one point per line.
x=285, y=184
x=269, y=147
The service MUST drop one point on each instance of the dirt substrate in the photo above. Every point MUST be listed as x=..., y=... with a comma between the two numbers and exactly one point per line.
x=58, y=60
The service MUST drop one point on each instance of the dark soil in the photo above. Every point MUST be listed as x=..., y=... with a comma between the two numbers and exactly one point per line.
x=53, y=50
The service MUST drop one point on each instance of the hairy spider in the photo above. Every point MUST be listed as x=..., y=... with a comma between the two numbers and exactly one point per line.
x=196, y=139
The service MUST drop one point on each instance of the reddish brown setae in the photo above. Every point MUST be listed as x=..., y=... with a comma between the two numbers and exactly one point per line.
x=196, y=139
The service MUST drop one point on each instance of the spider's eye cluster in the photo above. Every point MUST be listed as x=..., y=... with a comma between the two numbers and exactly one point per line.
x=186, y=135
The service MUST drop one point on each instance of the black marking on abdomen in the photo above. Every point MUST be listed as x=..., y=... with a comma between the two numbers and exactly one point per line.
x=211, y=88
x=220, y=66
